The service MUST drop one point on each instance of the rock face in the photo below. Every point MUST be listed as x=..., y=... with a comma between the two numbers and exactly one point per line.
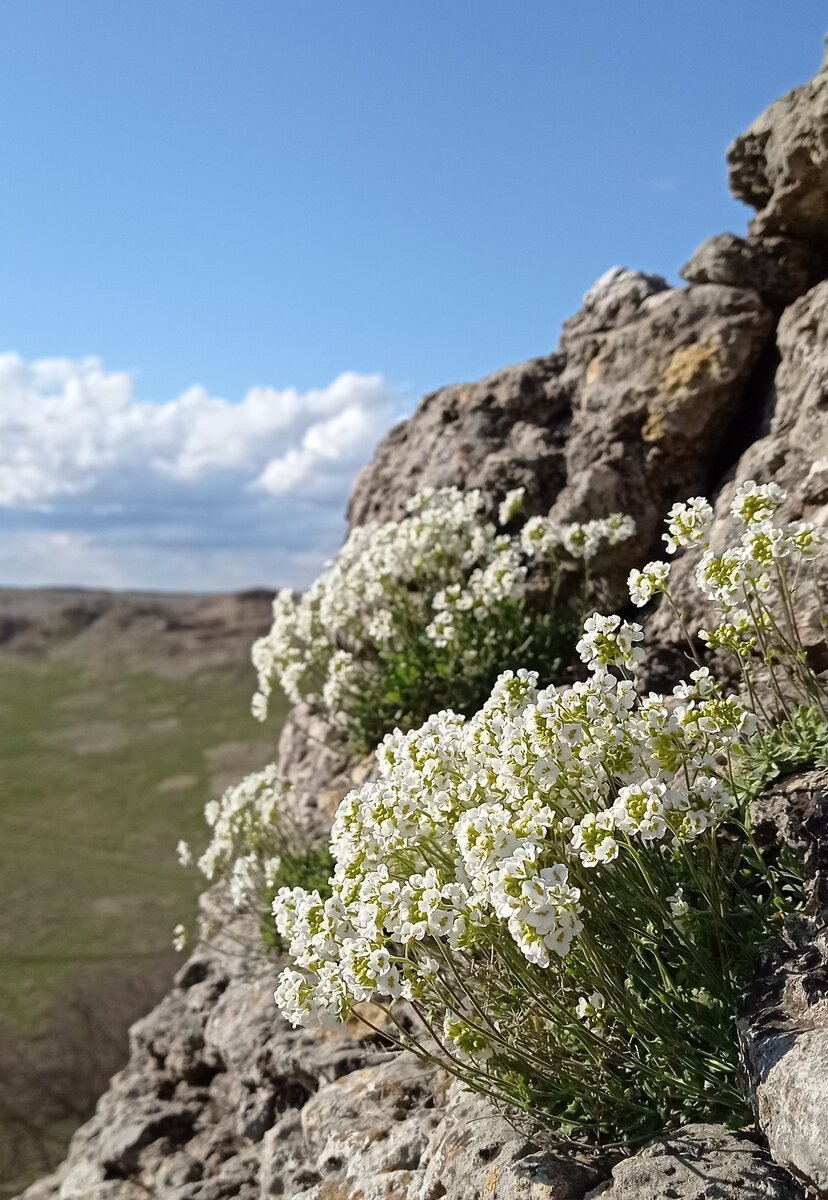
x=793, y=451
x=784, y=1026
x=785, y=1041
x=700, y=1162
x=653, y=398
x=654, y=393
x=780, y=165
x=779, y=269
x=628, y=415
x=506, y=431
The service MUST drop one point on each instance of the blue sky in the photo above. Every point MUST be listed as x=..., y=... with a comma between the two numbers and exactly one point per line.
x=241, y=194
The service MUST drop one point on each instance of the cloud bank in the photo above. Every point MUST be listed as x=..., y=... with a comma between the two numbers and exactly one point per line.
x=102, y=489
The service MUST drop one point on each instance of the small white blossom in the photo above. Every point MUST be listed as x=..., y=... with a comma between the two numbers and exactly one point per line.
x=645, y=584
x=688, y=524
x=678, y=905
x=511, y=505
x=610, y=642
x=756, y=502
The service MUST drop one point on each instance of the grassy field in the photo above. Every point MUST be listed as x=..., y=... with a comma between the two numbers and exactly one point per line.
x=101, y=772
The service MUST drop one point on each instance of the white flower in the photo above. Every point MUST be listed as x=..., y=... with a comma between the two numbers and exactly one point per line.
x=589, y=1008
x=610, y=642
x=183, y=853
x=645, y=584
x=805, y=538
x=678, y=905
x=540, y=538
x=756, y=502
x=722, y=577
x=442, y=570
x=511, y=505
x=618, y=527
x=688, y=524
x=593, y=839
x=180, y=938
x=640, y=808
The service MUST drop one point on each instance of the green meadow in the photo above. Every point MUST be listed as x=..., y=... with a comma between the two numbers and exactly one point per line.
x=102, y=770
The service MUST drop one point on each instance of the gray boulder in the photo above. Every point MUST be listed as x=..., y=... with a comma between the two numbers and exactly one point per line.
x=506, y=431
x=785, y=1046
x=653, y=400
x=699, y=1162
x=779, y=269
x=476, y=1153
x=628, y=415
x=784, y=1023
x=791, y=448
x=779, y=166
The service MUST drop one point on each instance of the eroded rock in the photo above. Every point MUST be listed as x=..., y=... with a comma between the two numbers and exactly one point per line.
x=313, y=755
x=785, y=1045
x=793, y=416
x=784, y=1023
x=506, y=431
x=652, y=403
x=780, y=164
x=779, y=269
x=475, y=1153
x=628, y=415
x=699, y=1162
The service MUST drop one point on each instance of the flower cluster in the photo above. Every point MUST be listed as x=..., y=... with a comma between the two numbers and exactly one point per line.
x=407, y=608
x=548, y=881
x=477, y=826
x=247, y=844
x=751, y=583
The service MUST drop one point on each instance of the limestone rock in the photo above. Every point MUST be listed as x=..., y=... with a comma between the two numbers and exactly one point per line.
x=784, y=1033
x=367, y=1131
x=628, y=415
x=314, y=757
x=780, y=164
x=793, y=812
x=779, y=269
x=475, y=1153
x=699, y=1162
x=506, y=431
x=793, y=417
x=652, y=403
x=213, y=1070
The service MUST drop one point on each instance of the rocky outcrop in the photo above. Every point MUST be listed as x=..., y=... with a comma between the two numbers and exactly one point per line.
x=654, y=398
x=779, y=269
x=630, y=413
x=506, y=431
x=314, y=757
x=784, y=1025
x=785, y=1040
x=654, y=393
x=793, y=451
x=700, y=1162
x=779, y=166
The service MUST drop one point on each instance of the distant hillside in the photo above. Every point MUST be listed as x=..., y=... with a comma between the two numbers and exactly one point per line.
x=120, y=716
x=168, y=631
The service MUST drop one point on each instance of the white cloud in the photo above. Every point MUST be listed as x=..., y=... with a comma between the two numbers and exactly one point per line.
x=98, y=487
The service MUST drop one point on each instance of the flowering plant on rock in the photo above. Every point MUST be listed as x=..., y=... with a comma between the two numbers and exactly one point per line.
x=416, y=614
x=255, y=848
x=564, y=887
